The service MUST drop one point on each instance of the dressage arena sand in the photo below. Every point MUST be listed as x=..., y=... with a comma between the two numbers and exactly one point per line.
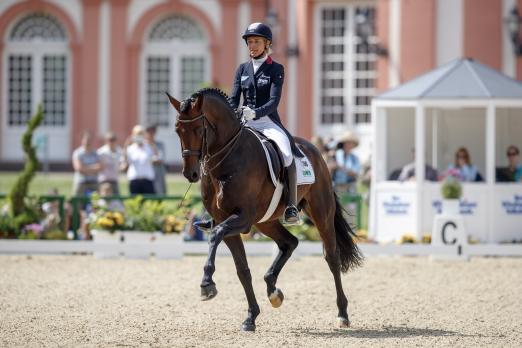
x=76, y=301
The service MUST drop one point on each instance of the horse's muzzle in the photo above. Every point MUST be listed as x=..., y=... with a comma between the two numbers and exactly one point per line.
x=191, y=175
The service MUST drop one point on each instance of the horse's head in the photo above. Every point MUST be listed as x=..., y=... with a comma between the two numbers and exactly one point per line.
x=190, y=128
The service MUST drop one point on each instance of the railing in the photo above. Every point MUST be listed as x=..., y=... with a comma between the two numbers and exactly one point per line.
x=347, y=199
x=49, y=198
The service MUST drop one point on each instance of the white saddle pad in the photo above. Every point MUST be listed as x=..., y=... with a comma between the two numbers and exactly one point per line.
x=305, y=176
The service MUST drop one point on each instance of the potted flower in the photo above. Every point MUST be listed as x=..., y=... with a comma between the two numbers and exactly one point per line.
x=168, y=241
x=451, y=191
x=144, y=217
x=105, y=227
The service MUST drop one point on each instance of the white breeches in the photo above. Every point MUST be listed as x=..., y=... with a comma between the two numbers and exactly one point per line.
x=272, y=131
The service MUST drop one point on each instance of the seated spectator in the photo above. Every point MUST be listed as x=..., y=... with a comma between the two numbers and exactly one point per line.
x=408, y=171
x=347, y=165
x=467, y=171
x=513, y=172
x=110, y=204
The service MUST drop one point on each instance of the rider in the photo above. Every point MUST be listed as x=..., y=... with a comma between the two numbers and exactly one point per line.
x=260, y=81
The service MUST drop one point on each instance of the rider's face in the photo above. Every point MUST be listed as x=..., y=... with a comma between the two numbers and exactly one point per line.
x=256, y=45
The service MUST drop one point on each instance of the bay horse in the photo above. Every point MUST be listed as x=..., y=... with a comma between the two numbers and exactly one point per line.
x=236, y=190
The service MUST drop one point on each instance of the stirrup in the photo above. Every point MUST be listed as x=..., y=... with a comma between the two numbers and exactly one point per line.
x=292, y=216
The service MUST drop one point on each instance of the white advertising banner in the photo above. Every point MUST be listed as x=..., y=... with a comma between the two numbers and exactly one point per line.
x=507, y=213
x=396, y=213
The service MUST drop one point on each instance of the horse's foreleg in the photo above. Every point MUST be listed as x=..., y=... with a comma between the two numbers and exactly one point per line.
x=233, y=225
x=235, y=244
x=286, y=243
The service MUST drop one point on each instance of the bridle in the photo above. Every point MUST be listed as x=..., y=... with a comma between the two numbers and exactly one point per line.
x=188, y=152
x=205, y=161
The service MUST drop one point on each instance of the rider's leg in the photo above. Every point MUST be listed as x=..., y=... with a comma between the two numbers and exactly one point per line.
x=291, y=212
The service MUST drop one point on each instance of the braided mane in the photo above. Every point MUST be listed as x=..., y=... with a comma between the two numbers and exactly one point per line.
x=215, y=92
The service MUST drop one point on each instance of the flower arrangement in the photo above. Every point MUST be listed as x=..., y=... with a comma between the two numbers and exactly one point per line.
x=150, y=216
x=451, y=187
x=107, y=220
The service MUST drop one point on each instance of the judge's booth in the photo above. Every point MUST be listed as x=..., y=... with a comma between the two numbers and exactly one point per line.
x=424, y=122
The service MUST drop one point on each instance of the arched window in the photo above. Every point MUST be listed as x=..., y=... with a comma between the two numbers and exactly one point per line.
x=175, y=59
x=36, y=65
x=37, y=75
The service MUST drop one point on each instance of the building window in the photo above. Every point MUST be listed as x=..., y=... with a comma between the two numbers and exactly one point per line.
x=158, y=81
x=19, y=89
x=37, y=70
x=176, y=59
x=347, y=67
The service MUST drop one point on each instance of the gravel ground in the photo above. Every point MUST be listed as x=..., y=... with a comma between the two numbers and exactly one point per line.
x=394, y=301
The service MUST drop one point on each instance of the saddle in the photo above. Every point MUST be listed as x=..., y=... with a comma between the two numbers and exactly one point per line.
x=278, y=173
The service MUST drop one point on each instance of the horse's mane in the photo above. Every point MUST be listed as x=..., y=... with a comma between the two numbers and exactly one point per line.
x=214, y=92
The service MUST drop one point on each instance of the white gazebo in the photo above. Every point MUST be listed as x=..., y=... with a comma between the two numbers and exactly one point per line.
x=460, y=104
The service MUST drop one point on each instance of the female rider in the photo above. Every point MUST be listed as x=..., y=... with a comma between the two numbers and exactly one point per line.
x=260, y=81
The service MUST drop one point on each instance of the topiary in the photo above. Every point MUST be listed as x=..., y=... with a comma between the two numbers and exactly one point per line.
x=18, y=208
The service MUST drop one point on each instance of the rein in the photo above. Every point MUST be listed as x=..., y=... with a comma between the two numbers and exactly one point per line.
x=208, y=157
x=233, y=141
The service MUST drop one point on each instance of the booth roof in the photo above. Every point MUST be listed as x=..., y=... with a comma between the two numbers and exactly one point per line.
x=460, y=78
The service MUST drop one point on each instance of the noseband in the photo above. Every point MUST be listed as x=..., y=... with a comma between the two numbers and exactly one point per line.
x=188, y=152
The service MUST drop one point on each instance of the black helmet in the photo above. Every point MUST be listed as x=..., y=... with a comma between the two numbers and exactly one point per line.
x=258, y=29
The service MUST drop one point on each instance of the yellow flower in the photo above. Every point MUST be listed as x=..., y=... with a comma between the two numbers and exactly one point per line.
x=118, y=218
x=105, y=222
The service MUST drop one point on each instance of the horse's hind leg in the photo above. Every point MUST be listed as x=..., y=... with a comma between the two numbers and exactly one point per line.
x=235, y=244
x=322, y=214
x=286, y=243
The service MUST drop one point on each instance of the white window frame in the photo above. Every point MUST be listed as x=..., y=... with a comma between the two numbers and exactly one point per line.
x=349, y=91
x=57, y=136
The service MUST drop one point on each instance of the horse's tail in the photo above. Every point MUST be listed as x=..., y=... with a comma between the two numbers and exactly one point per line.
x=350, y=254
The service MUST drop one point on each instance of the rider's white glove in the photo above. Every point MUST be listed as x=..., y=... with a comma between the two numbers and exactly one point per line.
x=248, y=113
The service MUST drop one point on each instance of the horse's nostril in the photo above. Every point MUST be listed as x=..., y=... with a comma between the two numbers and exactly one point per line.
x=194, y=175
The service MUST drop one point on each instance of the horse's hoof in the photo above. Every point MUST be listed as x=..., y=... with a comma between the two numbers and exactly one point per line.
x=343, y=323
x=248, y=327
x=276, y=298
x=208, y=292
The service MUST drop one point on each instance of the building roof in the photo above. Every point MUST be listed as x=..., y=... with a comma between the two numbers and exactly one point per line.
x=459, y=79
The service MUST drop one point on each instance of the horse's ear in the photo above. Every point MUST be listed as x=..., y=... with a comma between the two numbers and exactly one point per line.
x=173, y=101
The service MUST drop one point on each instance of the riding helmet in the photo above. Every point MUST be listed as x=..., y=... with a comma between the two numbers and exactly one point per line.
x=258, y=29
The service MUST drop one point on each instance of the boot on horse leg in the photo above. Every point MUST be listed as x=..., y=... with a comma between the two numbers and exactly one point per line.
x=291, y=211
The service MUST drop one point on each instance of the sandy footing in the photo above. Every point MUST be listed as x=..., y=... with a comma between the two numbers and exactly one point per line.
x=82, y=301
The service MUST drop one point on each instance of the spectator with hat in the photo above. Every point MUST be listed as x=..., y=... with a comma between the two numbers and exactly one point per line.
x=347, y=165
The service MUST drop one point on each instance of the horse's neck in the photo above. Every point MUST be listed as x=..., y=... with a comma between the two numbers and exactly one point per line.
x=226, y=126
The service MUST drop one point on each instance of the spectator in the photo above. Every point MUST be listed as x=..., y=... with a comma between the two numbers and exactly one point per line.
x=347, y=165
x=87, y=165
x=158, y=160
x=321, y=146
x=137, y=161
x=513, y=172
x=408, y=171
x=109, y=204
x=110, y=157
x=467, y=171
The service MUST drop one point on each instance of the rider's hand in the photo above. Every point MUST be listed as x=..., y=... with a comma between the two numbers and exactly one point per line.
x=248, y=113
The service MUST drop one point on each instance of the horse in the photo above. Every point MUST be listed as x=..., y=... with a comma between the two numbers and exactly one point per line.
x=236, y=190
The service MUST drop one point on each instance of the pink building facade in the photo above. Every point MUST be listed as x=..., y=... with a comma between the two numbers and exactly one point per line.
x=103, y=65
